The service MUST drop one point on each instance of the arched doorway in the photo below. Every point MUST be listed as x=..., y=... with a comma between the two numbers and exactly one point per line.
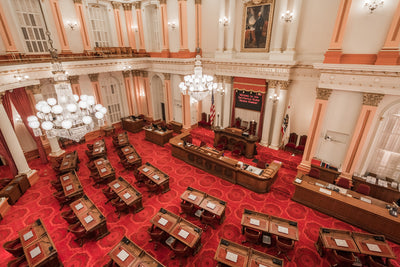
x=157, y=90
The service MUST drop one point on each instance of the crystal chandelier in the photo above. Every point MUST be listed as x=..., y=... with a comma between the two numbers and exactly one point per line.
x=68, y=116
x=373, y=4
x=197, y=85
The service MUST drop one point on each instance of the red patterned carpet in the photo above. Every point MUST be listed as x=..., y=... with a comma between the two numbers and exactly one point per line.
x=39, y=202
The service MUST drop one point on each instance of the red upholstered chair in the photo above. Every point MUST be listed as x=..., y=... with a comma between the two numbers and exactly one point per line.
x=180, y=250
x=69, y=216
x=374, y=261
x=109, y=193
x=222, y=143
x=119, y=205
x=252, y=236
x=314, y=173
x=238, y=149
x=208, y=219
x=79, y=231
x=61, y=198
x=152, y=187
x=363, y=189
x=302, y=144
x=261, y=164
x=187, y=208
x=14, y=247
x=341, y=258
x=157, y=235
x=140, y=178
x=18, y=262
x=343, y=182
x=291, y=145
x=57, y=185
x=4, y=182
x=89, y=146
x=202, y=143
x=238, y=122
x=284, y=245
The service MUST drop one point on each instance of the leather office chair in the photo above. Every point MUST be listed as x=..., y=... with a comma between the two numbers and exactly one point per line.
x=363, y=189
x=89, y=154
x=109, y=193
x=4, y=182
x=157, y=235
x=291, y=145
x=341, y=258
x=152, y=187
x=302, y=144
x=284, y=245
x=79, y=231
x=18, y=262
x=314, y=173
x=140, y=178
x=261, y=164
x=69, y=216
x=57, y=185
x=343, y=182
x=119, y=205
x=208, y=219
x=374, y=261
x=61, y=198
x=238, y=149
x=252, y=236
x=89, y=146
x=187, y=208
x=14, y=247
x=180, y=250
x=202, y=143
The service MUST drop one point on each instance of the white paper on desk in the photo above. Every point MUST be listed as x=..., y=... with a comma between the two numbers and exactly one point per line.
x=131, y=157
x=28, y=235
x=122, y=255
x=65, y=178
x=394, y=184
x=88, y=219
x=162, y=221
x=145, y=170
x=261, y=265
x=282, y=229
x=319, y=184
x=342, y=191
x=183, y=233
x=103, y=170
x=255, y=222
x=211, y=205
x=365, y=200
x=156, y=177
x=78, y=206
x=67, y=156
x=122, y=140
x=127, y=195
x=325, y=191
x=99, y=162
x=34, y=252
x=373, y=247
x=298, y=180
x=192, y=197
x=116, y=185
x=126, y=149
x=66, y=163
x=341, y=243
x=231, y=256
x=68, y=187
x=96, y=150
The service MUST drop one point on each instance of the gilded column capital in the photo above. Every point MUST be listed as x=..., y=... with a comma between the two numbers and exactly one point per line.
x=137, y=5
x=136, y=73
x=77, y=1
x=167, y=76
x=34, y=88
x=283, y=85
x=163, y=2
x=197, y=2
x=323, y=93
x=126, y=73
x=127, y=6
x=115, y=5
x=145, y=74
x=370, y=99
x=74, y=79
x=94, y=77
x=227, y=79
x=272, y=83
x=182, y=0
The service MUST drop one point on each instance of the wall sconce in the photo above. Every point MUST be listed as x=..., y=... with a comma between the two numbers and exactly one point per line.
x=274, y=98
x=135, y=28
x=224, y=21
x=172, y=25
x=373, y=4
x=129, y=67
x=72, y=25
x=20, y=77
x=287, y=16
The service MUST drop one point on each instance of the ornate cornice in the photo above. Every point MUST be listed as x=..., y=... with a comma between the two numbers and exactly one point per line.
x=126, y=73
x=115, y=5
x=77, y=1
x=94, y=77
x=137, y=5
x=323, y=93
x=145, y=74
x=127, y=6
x=272, y=83
x=372, y=99
x=167, y=76
x=74, y=79
x=283, y=85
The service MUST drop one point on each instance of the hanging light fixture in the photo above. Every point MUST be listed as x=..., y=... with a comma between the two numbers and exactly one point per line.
x=198, y=85
x=69, y=116
x=373, y=4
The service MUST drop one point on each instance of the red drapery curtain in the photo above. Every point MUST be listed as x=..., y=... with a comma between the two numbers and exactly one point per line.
x=21, y=103
x=8, y=108
x=5, y=152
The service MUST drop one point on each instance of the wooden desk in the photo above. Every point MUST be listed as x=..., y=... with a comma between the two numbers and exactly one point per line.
x=131, y=155
x=226, y=168
x=127, y=253
x=22, y=181
x=133, y=126
x=326, y=174
x=105, y=170
x=99, y=149
x=121, y=140
x=387, y=194
x=38, y=246
x=69, y=162
x=234, y=136
x=157, y=136
x=335, y=239
x=154, y=174
x=127, y=193
x=90, y=217
x=71, y=185
x=193, y=196
x=12, y=192
x=374, y=245
x=252, y=218
x=235, y=255
x=176, y=126
x=371, y=217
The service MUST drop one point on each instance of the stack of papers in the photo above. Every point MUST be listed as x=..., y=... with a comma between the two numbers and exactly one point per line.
x=116, y=185
x=162, y=221
x=156, y=177
x=65, y=178
x=325, y=191
x=183, y=233
x=371, y=180
x=231, y=256
x=99, y=162
x=282, y=229
x=28, y=235
x=88, y=219
x=122, y=255
x=78, y=206
x=96, y=150
x=66, y=163
x=373, y=247
x=255, y=222
x=382, y=183
x=341, y=243
x=68, y=187
x=131, y=157
x=127, y=195
x=126, y=149
x=145, y=170
x=365, y=199
x=192, y=197
x=34, y=252
x=211, y=205
x=103, y=170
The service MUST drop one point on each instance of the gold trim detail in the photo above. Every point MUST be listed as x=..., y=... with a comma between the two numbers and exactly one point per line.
x=74, y=79
x=370, y=99
x=94, y=77
x=323, y=93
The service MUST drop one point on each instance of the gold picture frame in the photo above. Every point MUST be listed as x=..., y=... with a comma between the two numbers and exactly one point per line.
x=257, y=25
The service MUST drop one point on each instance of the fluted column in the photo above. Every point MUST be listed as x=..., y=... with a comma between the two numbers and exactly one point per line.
x=129, y=25
x=272, y=84
x=219, y=101
x=280, y=112
x=183, y=27
x=139, y=18
x=118, y=26
x=149, y=101
x=136, y=85
x=226, y=102
x=12, y=142
x=83, y=26
x=221, y=27
x=164, y=25
x=277, y=39
x=168, y=97
x=76, y=88
x=231, y=27
x=294, y=26
x=197, y=6
x=58, y=21
x=315, y=128
x=128, y=90
x=368, y=110
x=6, y=34
x=94, y=79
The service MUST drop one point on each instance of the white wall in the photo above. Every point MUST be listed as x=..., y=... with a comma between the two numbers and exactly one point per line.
x=209, y=27
x=74, y=36
x=173, y=34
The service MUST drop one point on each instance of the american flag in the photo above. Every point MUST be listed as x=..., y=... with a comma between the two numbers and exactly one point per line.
x=212, y=110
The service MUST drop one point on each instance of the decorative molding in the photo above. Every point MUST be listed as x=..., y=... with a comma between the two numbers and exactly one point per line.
x=272, y=83
x=115, y=5
x=34, y=88
x=126, y=73
x=77, y=1
x=283, y=85
x=94, y=77
x=137, y=5
x=197, y=2
x=167, y=76
x=74, y=79
x=163, y=2
x=323, y=93
x=145, y=74
x=127, y=6
x=372, y=99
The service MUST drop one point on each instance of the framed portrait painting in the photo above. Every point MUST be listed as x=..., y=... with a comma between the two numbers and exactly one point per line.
x=257, y=25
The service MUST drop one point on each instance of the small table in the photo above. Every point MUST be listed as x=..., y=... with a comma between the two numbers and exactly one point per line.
x=127, y=193
x=154, y=174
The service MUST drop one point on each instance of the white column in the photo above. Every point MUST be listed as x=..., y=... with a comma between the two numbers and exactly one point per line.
x=13, y=143
x=278, y=28
x=219, y=103
x=55, y=147
x=268, y=113
x=221, y=27
x=280, y=109
x=294, y=26
x=227, y=100
x=231, y=27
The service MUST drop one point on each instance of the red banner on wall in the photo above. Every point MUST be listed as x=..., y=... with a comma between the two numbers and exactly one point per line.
x=250, y=84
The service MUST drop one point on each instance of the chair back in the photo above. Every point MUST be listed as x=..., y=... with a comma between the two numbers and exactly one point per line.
x=261, y=164
x=252, y=236
x=284, y=244
x=238, y=122
x=204, y=116
x=363, y=189
x=303, y=140
x=343, y=182
x=314, y=173
x=374, y=261
x=293, y=138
